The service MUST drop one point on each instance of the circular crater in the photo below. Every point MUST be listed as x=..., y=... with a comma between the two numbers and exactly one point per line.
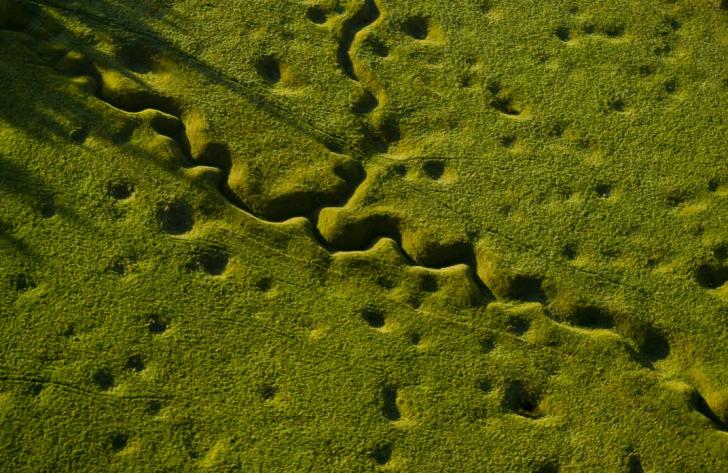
x=417, y=27
x=316, y=14
x=176, y=217
x=120, y=190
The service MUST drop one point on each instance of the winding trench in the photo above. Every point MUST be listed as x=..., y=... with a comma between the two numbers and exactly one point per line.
x=378, y=134
x=372, y=143
x=220, y=160
x=328, y=138
x=365, y=16
x=463, y=253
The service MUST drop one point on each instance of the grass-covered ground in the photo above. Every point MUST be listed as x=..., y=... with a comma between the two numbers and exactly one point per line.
x=365, y=235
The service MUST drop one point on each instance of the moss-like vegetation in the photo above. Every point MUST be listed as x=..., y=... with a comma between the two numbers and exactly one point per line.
x=363, y=235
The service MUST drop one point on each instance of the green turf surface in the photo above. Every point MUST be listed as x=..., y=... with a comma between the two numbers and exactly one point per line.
x=366, y=235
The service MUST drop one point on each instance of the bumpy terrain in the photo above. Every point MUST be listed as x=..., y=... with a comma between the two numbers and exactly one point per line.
x=364, y=235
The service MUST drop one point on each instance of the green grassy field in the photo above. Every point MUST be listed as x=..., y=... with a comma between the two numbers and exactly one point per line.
x=364, y=235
